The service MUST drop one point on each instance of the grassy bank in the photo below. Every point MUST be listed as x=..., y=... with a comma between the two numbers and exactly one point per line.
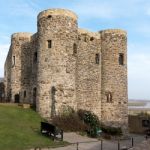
x=20, y=129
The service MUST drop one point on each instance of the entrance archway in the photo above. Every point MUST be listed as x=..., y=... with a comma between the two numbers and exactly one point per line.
x=34, y=98
x=17, y=98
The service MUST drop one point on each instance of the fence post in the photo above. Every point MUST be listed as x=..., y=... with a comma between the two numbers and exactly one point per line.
x=132, y=141
x=77, y=146
x=101, y=144
x=146, y=137
x=118, y=144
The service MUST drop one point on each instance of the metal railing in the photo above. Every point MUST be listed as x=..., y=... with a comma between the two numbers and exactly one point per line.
x=101, y=144
x=120, y=144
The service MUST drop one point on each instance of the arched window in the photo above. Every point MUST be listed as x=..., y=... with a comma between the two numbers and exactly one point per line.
x=109, y=97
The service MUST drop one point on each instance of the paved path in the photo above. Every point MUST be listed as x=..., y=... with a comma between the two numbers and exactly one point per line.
x=145, y=145
x=94, y=144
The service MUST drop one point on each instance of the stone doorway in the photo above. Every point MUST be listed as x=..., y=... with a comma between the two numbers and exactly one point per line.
x=34, y=98
x=17, y=98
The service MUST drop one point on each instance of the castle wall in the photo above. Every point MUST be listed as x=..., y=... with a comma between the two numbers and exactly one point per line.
x=88, y=77
x=7, y=78
x=62, y=65
x=57, y=32
x=15, y=67
x=26, y=67
x=114, y=77
x=34, y=62
x=2, y=91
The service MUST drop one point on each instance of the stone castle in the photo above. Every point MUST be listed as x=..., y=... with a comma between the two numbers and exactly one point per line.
x=63, y=65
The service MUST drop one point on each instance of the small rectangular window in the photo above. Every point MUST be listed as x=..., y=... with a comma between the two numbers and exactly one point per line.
x=97, y=58
x=121, y=59
x=49, y=42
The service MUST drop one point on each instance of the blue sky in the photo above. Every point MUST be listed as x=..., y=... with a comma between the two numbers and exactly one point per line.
x=94, y=15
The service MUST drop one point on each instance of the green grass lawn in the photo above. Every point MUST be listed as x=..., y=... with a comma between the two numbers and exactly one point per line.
x=20, y=129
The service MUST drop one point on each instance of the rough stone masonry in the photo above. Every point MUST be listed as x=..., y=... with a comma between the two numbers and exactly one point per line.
x=62, y=65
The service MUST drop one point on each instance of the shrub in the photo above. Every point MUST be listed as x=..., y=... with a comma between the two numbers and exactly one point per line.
x=112, y=130
x=91, y=120
x=66, y=110
x=70, y=121
x=82, y=121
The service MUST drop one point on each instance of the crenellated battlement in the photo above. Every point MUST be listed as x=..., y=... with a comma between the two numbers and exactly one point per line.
x=60, y=12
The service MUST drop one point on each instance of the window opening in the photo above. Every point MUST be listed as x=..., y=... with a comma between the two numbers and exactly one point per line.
x=74, y=48
x=121, y=59
x=35, y=57
x=49, y=43
x=25, y=94
x=13, y=61
x=97, y=58
x=109, y=97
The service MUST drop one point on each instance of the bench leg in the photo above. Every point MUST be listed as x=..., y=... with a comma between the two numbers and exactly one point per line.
x=54, y=136
x=62, y=136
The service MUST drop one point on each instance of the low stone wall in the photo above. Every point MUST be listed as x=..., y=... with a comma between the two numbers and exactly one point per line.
x=135, y=124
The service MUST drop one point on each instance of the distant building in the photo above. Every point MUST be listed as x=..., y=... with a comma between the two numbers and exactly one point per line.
x=62, y=65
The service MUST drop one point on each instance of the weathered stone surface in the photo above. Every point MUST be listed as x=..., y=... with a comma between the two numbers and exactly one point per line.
x=62, y=65
x=114, y=76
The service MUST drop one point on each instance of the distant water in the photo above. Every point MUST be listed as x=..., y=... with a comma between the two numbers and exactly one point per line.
x=145, y=106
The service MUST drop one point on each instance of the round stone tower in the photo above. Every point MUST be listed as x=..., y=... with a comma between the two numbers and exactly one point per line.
x=114, y=77
x=57, y=44
x=19, y=42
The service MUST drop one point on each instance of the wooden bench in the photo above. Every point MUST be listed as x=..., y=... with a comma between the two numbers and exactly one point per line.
x=51, y=130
